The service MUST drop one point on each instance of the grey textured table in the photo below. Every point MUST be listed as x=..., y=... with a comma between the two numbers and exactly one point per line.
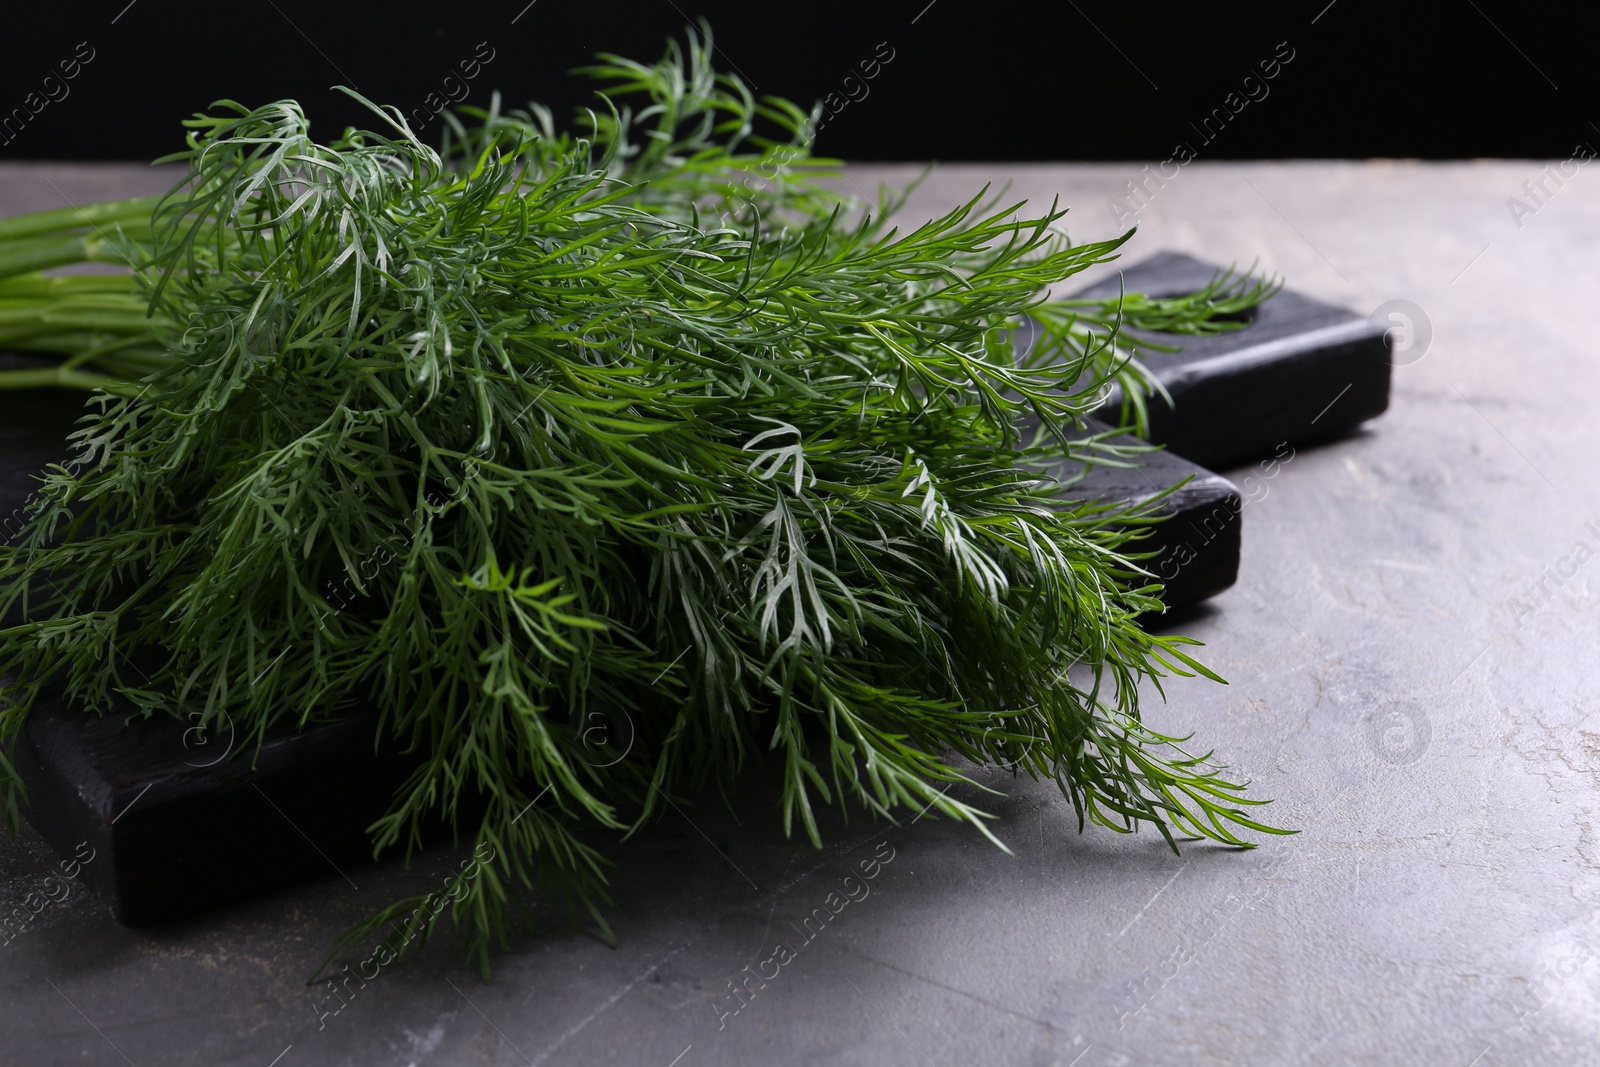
x=1438, y=747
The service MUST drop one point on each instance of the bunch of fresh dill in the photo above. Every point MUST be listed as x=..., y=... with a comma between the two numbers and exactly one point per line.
x=651, y=421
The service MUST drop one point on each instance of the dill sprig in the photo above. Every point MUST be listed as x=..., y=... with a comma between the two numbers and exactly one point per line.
x=649, y=422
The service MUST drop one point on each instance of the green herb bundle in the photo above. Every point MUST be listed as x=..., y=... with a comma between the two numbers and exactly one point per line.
x=649, y=422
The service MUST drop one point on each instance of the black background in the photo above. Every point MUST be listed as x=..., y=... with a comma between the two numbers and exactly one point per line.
x=994, y=80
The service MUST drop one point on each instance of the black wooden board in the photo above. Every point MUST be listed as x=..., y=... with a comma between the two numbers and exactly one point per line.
x=182, y=820
x=1299, y=371
x=1196, y=548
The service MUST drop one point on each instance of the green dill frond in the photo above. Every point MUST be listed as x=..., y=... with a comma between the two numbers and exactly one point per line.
x=644, y=420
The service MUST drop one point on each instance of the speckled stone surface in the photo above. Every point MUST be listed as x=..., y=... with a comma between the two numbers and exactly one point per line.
x=1410, y=646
